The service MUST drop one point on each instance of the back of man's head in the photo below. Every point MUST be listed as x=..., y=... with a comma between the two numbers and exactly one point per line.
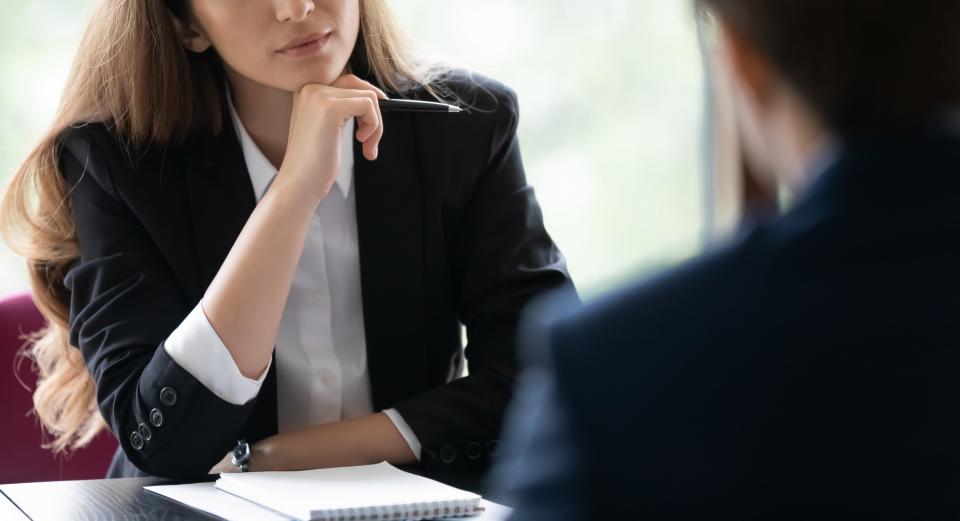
x=862, y=65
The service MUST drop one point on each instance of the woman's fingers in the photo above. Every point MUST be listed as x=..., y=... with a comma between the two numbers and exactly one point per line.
x=369, y=123
x=369, y=128
x=372, y=133
x=349, y=81
x=372, y=96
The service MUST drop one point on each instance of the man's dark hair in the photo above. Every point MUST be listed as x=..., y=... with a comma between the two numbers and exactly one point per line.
x=862, y=65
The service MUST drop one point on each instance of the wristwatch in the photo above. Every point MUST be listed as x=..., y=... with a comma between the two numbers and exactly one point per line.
x=241, y=455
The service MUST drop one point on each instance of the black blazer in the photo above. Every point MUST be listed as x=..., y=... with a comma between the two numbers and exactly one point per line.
x=809, y=370
x=449, y=232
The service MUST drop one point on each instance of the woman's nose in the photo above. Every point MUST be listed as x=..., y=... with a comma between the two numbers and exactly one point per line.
x=294, y=10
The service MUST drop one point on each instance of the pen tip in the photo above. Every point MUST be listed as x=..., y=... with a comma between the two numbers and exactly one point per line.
x=455, y=109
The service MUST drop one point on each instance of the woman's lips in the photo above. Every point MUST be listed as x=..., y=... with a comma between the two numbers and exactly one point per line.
x=306, y=46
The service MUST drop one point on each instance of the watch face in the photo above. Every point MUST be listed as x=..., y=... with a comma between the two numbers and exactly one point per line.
x=241, y=453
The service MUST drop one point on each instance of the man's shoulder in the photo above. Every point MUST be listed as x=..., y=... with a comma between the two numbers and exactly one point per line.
x=691, y=305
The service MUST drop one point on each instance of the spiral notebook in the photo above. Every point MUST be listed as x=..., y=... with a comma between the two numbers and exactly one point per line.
x=366, y=493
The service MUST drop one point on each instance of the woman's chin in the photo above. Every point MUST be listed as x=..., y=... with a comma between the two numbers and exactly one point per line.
x=322, y=78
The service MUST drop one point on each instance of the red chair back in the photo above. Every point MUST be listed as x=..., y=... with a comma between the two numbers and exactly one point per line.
x=23, y=459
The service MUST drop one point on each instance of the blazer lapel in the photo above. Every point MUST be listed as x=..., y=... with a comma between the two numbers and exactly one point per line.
x=390, y=229
x=221, y=200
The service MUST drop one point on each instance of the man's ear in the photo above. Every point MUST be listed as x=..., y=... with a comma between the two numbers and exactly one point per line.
x=190, y=36
x=752, y=68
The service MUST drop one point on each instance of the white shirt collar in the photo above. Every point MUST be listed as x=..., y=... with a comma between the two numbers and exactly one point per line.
x=262, y=171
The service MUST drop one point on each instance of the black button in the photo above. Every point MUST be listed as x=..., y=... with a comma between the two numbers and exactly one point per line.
x=474, y=450
x=136, y=441
x=156, y=418
x=493, y=448
x=448, y=454
x=168, y=396
x=145, y=432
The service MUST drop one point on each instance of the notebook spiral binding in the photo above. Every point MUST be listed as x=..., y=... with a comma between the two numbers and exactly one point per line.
x=408, y=511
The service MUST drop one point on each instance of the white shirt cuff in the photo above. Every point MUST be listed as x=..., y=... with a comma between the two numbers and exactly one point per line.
x=197, y=348
x=405, y=431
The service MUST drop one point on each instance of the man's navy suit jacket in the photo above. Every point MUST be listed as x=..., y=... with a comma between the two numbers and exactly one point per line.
x=810, y=369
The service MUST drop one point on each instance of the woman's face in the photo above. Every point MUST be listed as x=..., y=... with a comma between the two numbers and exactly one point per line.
x=258, y=39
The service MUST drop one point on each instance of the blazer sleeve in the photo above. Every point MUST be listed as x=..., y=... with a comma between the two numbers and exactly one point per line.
x=124, y=301
x=504, y=257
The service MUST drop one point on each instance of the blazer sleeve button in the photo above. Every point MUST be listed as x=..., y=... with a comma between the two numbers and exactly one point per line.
x=136, y=441
x=144, y=432
x=168, y=396
x=448, y=454
x=473, y=450
x=156, y=418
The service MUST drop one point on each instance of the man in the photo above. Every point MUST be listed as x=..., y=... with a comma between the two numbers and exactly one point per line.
x=810, y=369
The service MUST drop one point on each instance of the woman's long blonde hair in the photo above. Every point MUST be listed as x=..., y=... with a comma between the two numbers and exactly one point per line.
x=132, y=73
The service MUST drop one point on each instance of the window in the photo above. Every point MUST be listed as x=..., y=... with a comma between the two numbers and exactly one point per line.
x=611, y=99
x=611, y=117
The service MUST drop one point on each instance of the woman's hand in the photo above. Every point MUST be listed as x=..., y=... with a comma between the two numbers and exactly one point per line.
x=320, y=112
x=357, y=441
x=225, y=465
x=261, y=459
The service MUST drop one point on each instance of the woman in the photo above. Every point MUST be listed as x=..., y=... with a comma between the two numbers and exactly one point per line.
x=253, y=251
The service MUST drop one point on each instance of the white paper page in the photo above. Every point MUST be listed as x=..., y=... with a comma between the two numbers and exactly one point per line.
x=298, y=493
x=205, y=497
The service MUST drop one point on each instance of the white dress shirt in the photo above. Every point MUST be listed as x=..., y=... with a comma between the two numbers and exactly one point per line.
x=321, y=350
